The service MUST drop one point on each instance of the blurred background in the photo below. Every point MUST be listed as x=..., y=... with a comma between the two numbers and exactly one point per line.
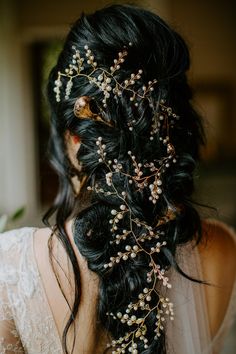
x=31, y=35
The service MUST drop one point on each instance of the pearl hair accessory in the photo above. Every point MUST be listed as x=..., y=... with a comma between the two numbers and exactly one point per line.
x=138, y=239
x=104, y=79
x=150, y=241
x=161, y=117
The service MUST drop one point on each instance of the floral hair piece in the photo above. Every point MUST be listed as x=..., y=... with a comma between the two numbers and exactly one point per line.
x=104, y=79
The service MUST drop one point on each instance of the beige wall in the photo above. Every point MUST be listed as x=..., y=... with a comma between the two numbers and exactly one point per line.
x=18, y=180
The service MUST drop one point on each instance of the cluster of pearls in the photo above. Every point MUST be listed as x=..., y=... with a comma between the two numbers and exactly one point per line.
x=118, y=61
x=163, y=114
x=117, y=216
x=74, y=69
x=104, y=79
x=156, y=271
x=68, y=88
x=90, y=57
x=121, y=237
x=138, y=178
x=109, y=179
x=101, y=150
x=57, y=87
x=127, y=345
x=150, y=235
x=97, y=189
x=155, y=190
x=142, y=181
x=166, y=309
x=139, y=329
x=131, y=252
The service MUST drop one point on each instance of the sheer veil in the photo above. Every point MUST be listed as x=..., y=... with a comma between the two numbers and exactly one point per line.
x=190, y=331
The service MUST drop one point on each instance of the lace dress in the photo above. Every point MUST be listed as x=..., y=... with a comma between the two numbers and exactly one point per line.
x=27, y=324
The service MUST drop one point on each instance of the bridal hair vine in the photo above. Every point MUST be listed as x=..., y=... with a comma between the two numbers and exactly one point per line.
x=149, y=241
x=104, y=79
x=140, y=238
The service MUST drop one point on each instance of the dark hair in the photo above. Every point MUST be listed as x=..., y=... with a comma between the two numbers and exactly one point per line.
x=162, y=54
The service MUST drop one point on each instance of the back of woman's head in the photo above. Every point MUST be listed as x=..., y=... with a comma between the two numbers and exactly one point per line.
x=140, y=141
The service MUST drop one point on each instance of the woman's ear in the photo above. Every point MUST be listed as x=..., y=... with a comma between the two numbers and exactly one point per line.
x=72, y=145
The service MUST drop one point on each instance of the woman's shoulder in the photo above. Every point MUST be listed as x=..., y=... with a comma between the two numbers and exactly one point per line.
x=217, y=252
x=215, y=231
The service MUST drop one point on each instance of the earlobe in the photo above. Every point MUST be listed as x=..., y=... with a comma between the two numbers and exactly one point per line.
x=75, y=139
x=72, y=144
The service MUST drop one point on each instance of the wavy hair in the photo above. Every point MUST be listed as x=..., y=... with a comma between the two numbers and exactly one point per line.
x=161, y=53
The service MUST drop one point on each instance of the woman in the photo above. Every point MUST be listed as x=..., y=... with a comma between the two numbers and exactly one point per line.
x=128, y=265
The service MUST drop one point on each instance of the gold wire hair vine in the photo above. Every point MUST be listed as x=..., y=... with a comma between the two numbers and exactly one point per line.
x=146, y=176
x=107, y=83
x=105, y=79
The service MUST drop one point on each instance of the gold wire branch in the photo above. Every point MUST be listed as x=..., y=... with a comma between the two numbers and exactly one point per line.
x=104, y=79
x=146, y=176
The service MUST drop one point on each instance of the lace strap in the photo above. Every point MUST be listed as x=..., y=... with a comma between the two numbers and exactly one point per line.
x=10, y=341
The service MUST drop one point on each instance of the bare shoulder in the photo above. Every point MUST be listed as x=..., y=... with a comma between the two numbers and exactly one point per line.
x=43, y=233
x=217, y=252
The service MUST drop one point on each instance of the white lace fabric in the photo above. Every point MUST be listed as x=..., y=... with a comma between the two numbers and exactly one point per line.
x=26, y=322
